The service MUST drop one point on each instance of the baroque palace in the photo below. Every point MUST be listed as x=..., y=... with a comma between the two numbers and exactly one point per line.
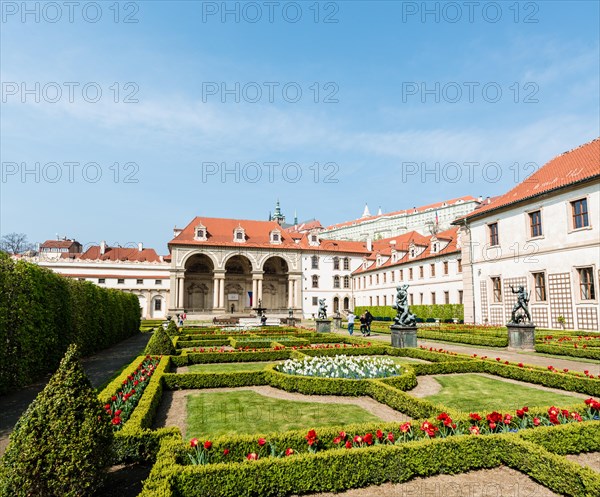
x=543, y=234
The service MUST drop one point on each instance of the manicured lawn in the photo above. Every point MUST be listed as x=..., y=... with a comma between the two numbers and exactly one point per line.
x=234, y=367
x=473, y=392
x=211, y=414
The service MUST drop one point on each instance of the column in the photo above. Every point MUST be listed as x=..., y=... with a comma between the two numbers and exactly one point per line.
x=259, y=289
x=180, y=293
x=148, y=310
x=298, y=285
x=173, y=290
x=290, y=293
x=222, y=292
x=215, y=292
x=257, y=277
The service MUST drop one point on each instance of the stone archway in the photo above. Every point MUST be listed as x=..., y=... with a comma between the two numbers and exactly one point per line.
x=275, y=283
x=238, y=283
x=199, y=274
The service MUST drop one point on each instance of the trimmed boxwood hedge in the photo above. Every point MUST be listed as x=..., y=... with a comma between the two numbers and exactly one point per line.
x=442, y=312
x=41, y=313
x=588, y=353
x=470, y=338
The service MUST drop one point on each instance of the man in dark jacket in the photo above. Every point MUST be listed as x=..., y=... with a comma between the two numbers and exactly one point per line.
x=368, y=320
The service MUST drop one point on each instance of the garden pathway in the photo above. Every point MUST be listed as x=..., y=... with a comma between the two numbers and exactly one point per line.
x=531, y=358
x=99, y=368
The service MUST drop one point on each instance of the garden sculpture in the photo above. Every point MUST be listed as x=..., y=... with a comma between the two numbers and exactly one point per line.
x=322, y=309
x=403, y=315
x=522, y=301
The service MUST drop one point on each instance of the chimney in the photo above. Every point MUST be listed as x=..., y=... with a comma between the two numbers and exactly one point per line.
x=140, y=247
x=480, y=199
x=176, y=231
x=488, y=200
x=369, y=244
x=102, y=247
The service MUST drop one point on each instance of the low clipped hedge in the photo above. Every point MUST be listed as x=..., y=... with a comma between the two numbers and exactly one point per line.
x=213, y=342
x=587, y=353
x=469, y=338
x=340, y=469
x=442, y=312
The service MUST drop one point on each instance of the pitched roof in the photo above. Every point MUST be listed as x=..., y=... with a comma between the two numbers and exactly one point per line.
x=452, y=247
x=436, y=205
x=59, y=244
x=121, y=254
x=574, y=166
x=219, y=232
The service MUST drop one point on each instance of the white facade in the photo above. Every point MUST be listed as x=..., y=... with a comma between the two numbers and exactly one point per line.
x=566, y=257
x=396, y=223
x=148, y=280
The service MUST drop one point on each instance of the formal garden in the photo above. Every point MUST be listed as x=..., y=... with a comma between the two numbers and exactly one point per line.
x=272, y=411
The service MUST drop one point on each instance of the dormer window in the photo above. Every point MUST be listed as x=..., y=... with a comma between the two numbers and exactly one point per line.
x=313, y=239
x=276, y=237
x=239, y=235
x=200, y=233
x=413, y=252
x=435, y=248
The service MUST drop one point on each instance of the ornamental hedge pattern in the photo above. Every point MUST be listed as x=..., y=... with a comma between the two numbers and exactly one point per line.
x=41, y=313
x=437, y=439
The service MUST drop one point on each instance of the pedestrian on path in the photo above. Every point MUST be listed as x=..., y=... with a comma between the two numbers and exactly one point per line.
x=351, y=318
x=368, y=321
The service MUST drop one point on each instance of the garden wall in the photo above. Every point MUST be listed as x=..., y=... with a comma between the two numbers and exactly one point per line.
x=41, y=313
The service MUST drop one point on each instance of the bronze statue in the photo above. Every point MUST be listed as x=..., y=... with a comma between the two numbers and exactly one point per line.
x=322, y=309
x=522, y=301
x=403, y=315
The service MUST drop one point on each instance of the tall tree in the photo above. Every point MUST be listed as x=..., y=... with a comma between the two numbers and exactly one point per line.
x=15, y=243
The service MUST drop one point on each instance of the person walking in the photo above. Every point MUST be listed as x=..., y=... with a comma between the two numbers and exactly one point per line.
x=351, y=318
x=368, y=320
x=363, y=324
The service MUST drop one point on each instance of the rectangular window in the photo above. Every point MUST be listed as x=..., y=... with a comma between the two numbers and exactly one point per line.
x=580, y=213
x=539, y=283
x=410, y=273
x=393, y=276
x=446, y=297
x=496, y=289
x=421, y=298
x=158, y=304
x=384, y=277
x=445, y=267
x=370, y=280
x=535, y=224
x=336, y=282
x=493, y=234
x=459, y=265
x=157, y=282
x=336, y=263
x=412, y=299
x=101, y=281
x=120, y=281
x=139, y=282
x=315, y=281
x=314, y=262
x=377, y=279
x=433, y=298
x=586, y=283
x=421, y=272
x=460, y=296
x=377, y=300
x=371, y=301
x=432, y=266
x=385, y=300
x=315, y=301
x=347, y=264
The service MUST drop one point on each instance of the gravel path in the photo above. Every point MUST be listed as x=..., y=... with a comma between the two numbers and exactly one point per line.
x=426, y=386
x=589, y=459
x=172, y=410
x=497, y=482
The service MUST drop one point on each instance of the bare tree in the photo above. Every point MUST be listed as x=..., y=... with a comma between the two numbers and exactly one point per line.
x=15, y=243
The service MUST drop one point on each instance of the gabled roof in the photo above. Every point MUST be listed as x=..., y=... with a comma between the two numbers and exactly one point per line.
x=569, y=168
x=452, y=247
x=121, y=254
x=59, y=244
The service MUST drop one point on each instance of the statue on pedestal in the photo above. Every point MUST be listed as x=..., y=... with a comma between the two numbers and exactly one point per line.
x=522, y=301
x=403, y=315
x=322, y=309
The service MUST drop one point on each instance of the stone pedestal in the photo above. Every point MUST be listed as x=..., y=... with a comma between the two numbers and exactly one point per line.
x=292, y=321
x=521, y=336
x=337, y=323
x=404, y=336
x=323, y=325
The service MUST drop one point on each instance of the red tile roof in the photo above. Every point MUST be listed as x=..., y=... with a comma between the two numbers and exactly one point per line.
x=450, y=235
x=258, y=235
x=307, y=226
x=436, y=205
x=50, y=244
x=574, y=166
x=121, y=254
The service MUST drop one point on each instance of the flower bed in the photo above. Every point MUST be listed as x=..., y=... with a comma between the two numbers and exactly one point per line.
x=123, y=402
x=341, y=366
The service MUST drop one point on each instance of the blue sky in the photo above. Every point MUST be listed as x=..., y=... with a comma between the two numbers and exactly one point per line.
x=372, y=135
